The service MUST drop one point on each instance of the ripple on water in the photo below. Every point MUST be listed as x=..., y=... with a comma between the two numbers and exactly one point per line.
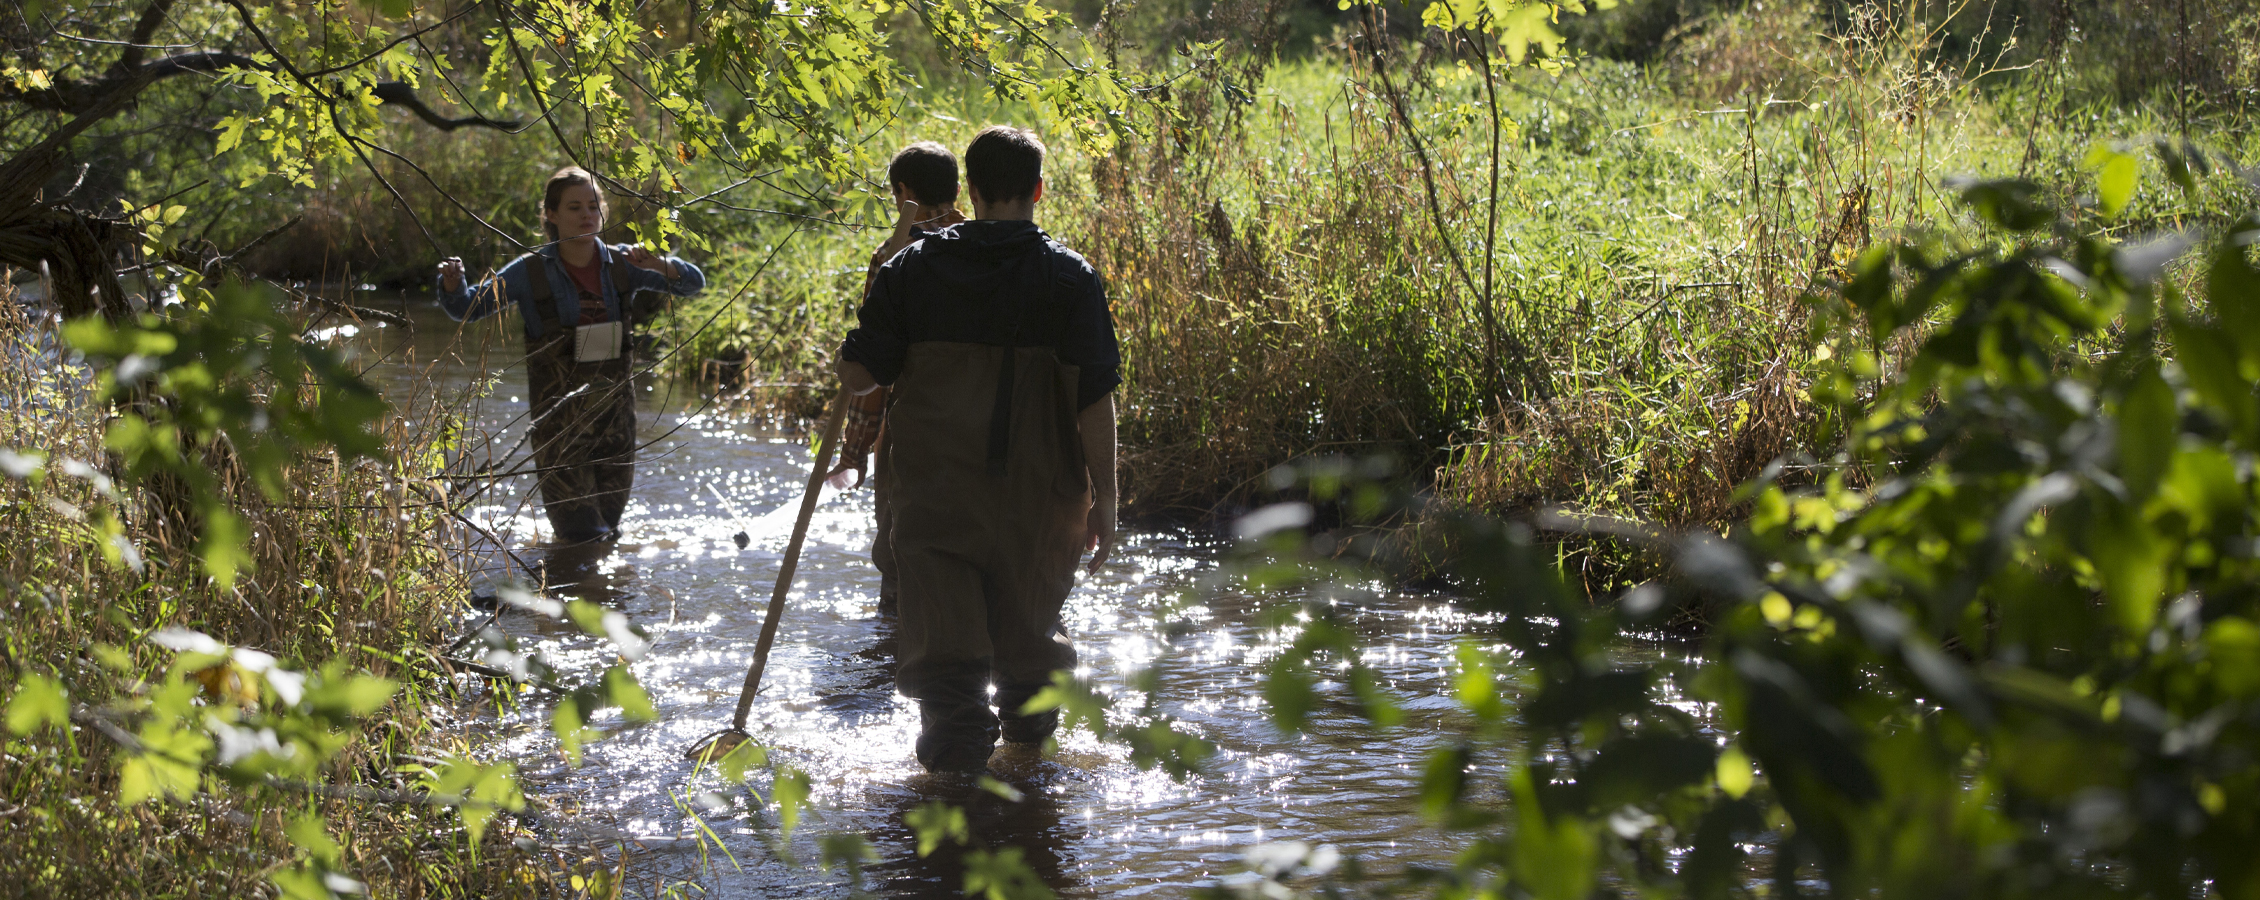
x=1090, y=822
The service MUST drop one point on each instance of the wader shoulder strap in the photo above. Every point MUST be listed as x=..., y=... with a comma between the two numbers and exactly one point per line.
x=542, y=293
x=1000, y=413
x=623, y=285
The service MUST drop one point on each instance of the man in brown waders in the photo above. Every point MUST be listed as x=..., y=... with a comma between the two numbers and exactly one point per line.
x=923, y=178
x=998, y=345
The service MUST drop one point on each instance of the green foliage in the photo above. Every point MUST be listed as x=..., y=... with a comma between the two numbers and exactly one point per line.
x=220, y=388
x=935, y=822
x=1999, y=651
x=220, y=403
x=224, y=716
x=39, y=702
x=479, y=790
x=1002, y=875
x=1154, y=738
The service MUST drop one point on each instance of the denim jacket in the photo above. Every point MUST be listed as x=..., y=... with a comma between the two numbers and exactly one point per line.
x=513, y=285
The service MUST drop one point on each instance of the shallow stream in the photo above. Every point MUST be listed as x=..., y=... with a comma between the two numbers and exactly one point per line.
x=1089, y=822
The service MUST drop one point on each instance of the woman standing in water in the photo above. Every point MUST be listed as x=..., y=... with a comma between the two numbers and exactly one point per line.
x=577, y=296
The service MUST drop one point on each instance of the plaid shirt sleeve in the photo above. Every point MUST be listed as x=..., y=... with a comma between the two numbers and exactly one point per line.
x=864, y=414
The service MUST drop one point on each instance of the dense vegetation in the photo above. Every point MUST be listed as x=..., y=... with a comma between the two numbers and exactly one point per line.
x=2017, y=662
x=1538, y=255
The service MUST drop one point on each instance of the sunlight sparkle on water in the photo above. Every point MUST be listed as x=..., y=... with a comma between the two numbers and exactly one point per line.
x=1091, y=821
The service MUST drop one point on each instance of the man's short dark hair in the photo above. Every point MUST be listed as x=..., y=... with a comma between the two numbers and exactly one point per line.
x=1004, y=163
x=928, y=170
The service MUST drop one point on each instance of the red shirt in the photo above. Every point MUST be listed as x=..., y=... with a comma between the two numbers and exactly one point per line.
x=592, y=290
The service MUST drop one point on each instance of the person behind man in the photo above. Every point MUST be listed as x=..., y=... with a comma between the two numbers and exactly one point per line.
x=923, y=179
x=580, y=300
x=1000, y=350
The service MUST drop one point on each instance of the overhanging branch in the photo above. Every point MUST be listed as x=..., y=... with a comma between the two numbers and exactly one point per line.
x=79, y=96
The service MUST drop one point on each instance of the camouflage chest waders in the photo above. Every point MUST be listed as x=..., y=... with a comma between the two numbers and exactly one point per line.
x=990, y=499
x=584, y=422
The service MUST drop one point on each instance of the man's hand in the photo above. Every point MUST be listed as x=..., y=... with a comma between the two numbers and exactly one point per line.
x=451, y=273
x=908, y=213
x=1101, y=527
x=1095, y=425
x=849, y=462
x=645, y=259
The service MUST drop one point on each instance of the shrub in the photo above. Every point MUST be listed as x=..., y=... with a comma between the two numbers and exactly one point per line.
x=2022, y=664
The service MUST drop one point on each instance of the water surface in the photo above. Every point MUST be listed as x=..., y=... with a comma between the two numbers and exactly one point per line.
x=1089, y=822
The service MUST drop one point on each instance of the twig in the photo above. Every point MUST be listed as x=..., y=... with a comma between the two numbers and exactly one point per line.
x=492, y=672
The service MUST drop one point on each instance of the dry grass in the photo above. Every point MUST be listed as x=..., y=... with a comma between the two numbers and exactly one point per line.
x=354, y=567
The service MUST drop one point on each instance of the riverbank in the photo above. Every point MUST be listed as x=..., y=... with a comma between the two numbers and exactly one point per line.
x=1593, y=299
x=1628, y=337
x=348, y=593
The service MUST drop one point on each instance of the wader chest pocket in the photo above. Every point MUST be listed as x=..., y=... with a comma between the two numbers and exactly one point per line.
x=597, y=343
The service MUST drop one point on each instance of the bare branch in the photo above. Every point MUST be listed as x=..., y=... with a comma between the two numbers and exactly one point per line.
x=399, y=93
x=143, y=32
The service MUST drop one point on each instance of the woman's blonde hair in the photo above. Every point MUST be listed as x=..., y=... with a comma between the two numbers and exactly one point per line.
x=554, y=194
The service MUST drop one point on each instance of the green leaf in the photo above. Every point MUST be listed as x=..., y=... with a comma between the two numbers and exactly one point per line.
x=846, y=851
x=311, y=833
x=1478, y=684
x=1735, y=774
x=1289, y=695
x=170, y=766
x=2209, y=358
x=2131, y=560
x=339, y=695
x=2009, y=203
x=2232, y=288
x=2149, y=426
x=1444, y=780
x=305, y=881
x=1008, y=792
x=479, y=791
x=745, y=755
x=2232, y=645
x=2116, y=172
x=40, y=702
x=622, y=690
x=224, y=545
x=934, y=822
x=1003, y=875
x=1553, y=855
x=570, y=725
x=791, y=793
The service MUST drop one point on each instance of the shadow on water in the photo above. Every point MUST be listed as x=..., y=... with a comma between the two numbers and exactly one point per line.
x=1034, y=824
x=1087, y=820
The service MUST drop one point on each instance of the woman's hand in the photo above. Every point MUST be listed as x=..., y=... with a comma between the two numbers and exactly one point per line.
x=645, y=259
x=451, y=273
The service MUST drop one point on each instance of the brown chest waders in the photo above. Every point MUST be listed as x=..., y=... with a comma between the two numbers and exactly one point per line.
x=584, y=420
x=990, y=499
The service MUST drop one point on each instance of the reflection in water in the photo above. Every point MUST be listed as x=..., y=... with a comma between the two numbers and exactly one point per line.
x=1090, y=823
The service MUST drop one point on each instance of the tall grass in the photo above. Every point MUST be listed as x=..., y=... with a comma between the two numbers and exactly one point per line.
x=355, y=567
x=1285, y=288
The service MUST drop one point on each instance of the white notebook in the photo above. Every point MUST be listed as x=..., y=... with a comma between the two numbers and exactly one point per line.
x=597, y=343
